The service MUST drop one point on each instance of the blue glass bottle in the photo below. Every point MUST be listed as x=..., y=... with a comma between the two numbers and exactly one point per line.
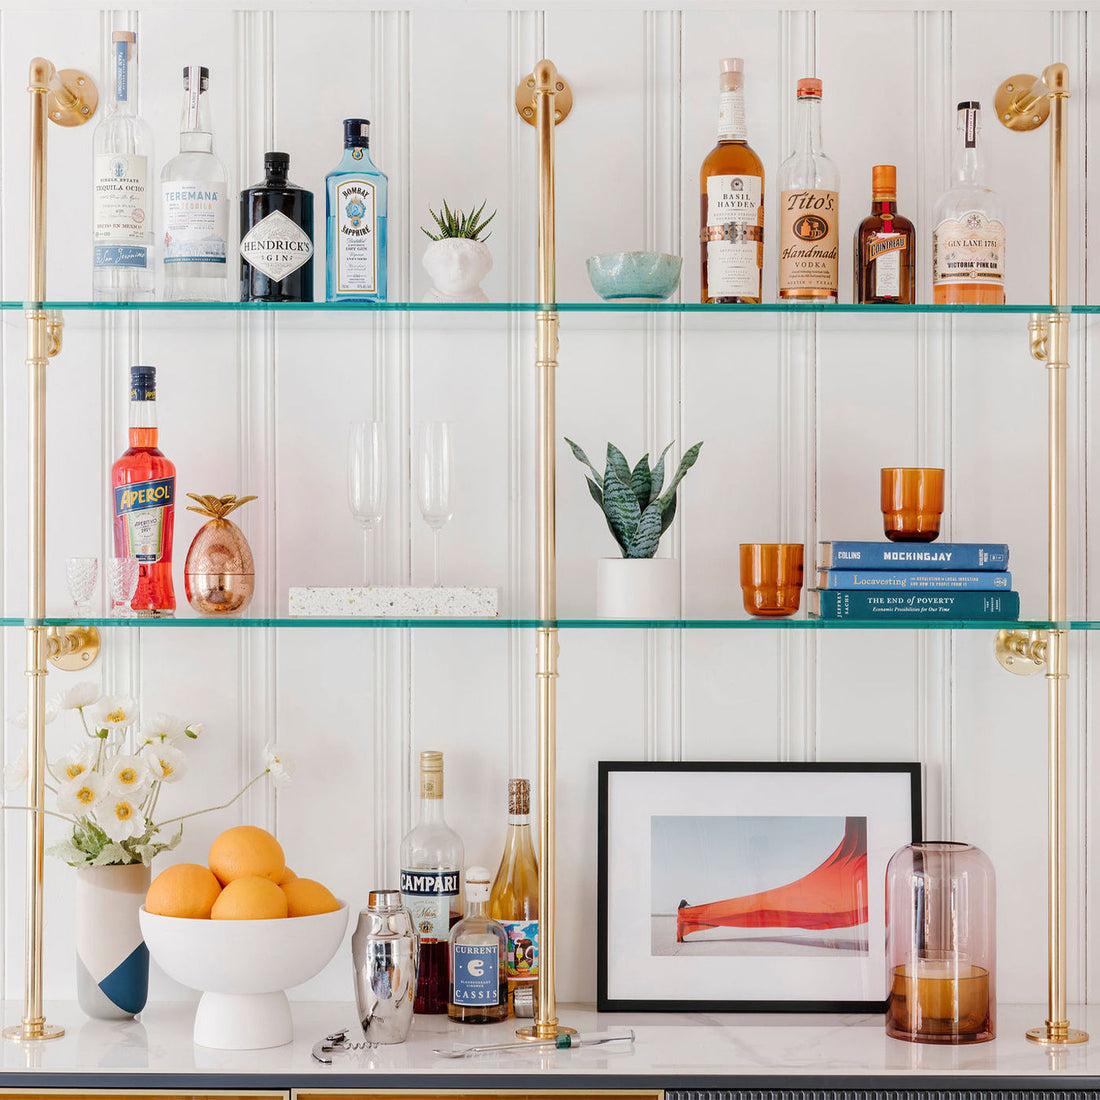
x=356, y=222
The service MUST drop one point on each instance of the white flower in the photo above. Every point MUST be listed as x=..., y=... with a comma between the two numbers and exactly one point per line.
x=166, y=763
x=15, y=773
x=279, y=766
x=113, y=712
x=162, y=729
x=79, y=695
x=76, y=762
x=129, y=776
x=120, y=818
x=20, y=719
x=80, y=796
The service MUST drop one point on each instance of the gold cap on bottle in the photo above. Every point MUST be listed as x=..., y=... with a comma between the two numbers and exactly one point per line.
x=809, y=87
x=519, y=797
x=431, y=774
x=884, y=181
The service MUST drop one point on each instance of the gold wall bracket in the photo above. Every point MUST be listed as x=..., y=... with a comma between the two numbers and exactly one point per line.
x=1022, y=652
x=72, y=648
x=1022, y=102
x=525, y=99
x=72, y=98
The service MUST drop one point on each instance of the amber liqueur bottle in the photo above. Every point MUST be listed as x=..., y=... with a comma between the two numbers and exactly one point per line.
x=143, y=484
x=731, y=197
x=276, y=237
x=885, y=241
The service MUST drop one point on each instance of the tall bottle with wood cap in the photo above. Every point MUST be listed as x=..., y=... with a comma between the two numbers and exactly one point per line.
x=731, y=197
x=431, y=873
x=882, y=267
x=809, y=208
x=514, y=900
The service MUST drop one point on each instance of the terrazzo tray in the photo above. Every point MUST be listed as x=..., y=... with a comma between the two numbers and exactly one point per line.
x=396, y=603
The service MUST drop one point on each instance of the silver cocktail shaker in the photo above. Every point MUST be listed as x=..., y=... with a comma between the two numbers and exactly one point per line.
x=385, y=952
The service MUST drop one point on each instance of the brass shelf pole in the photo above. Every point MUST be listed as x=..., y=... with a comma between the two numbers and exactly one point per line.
x=544, y=99
x=1024, y=102
x=68, y=98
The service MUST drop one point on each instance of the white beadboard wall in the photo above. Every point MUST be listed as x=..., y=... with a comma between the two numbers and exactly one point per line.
x=797, y=414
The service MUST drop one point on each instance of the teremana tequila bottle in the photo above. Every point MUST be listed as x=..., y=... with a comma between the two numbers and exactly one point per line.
x=195, y=204
x=122, y=164
x=431, y=865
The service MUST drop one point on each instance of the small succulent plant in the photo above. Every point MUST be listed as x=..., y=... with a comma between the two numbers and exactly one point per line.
x=637, y=511
x=454, y=223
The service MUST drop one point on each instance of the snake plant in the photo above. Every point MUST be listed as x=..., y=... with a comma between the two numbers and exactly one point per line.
x=455, y=223
x=637, y=511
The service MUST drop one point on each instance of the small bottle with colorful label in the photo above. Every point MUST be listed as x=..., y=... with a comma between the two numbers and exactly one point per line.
x=356, y=219
x=143, y=486
x=478, y=958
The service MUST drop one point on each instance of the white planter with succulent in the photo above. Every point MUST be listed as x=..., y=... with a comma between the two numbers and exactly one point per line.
x=638, y=510
x=106, y=790
x=458, y=258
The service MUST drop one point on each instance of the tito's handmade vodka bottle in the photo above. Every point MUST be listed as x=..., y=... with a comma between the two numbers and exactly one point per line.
x=194, y=203
x=431, y=865
x=122, y=163
x=731, y=185
x=968, y=242
x=355, y=207
x=809, y=208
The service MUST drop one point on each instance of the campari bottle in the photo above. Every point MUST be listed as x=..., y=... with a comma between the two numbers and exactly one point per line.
x=143, y=486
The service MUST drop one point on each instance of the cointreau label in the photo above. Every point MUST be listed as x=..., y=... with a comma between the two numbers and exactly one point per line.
x=968, y=249
x=808, y=243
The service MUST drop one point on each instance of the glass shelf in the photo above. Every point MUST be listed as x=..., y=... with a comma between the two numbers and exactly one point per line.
x=633, y=306
x=446, y=623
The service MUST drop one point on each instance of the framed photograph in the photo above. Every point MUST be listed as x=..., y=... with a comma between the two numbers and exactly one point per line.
x=748, y=887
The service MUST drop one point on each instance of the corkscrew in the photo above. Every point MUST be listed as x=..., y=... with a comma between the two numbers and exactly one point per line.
x=337, y=1043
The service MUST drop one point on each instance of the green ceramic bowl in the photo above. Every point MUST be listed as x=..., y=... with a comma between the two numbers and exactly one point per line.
x=653, y=275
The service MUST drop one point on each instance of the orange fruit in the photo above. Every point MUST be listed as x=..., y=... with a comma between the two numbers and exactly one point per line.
x=304, y=898
x=288, y=876
x=185, y=890
x=245, y=851
x=250, y=898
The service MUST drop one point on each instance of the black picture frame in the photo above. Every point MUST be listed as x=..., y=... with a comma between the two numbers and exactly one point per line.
x=900, y=780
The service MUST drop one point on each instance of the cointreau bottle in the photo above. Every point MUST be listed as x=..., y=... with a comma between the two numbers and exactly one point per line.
x=144, y=489
x=731, y=186
x=882, y=268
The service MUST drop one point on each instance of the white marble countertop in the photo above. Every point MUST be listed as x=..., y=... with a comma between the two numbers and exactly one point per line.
x=671, y=1050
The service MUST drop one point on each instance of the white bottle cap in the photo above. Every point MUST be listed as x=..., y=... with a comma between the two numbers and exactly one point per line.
x=478, y=882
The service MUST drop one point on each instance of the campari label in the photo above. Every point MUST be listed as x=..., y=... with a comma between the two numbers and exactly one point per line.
x=734, y=236
x=276, y=246
x=142, y=507
x=476, y=974
x=427, y=895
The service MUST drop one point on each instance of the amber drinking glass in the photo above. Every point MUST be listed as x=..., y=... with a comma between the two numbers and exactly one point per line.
x=941, y=928
x=771, y=578
x=912, y=502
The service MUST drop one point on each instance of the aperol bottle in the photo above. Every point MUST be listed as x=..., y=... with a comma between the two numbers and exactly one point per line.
x=143, y=486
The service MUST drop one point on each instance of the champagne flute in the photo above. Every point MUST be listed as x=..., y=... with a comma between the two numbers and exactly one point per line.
x=367, y=481
x=435, y=482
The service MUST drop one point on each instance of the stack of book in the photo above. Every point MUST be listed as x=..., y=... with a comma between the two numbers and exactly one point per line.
x=891, y=580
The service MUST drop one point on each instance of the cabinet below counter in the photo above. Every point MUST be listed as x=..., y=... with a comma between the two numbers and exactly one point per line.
x=683, y=1055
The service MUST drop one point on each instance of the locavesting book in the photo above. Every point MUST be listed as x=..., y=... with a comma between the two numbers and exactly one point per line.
x=892, y=580
x=954, y=557
x=925, y=606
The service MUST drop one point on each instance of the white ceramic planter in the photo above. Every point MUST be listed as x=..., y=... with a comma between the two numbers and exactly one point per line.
x=638, y=588
x=456, y=267
x=112, y=961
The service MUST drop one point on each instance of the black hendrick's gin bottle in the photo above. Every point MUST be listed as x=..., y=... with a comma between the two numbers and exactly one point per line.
x=276, y=237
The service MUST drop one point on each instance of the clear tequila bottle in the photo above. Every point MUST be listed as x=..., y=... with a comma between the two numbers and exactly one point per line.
x=194, y=204
x=122, y=163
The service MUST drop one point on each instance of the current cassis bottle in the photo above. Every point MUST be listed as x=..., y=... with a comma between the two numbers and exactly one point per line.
x=276, y=237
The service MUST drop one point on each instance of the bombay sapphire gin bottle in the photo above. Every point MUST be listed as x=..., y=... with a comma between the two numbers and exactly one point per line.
x=356, y=218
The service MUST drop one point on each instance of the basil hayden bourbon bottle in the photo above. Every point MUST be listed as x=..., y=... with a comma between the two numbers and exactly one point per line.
x=276, y=237
x=731, y=186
